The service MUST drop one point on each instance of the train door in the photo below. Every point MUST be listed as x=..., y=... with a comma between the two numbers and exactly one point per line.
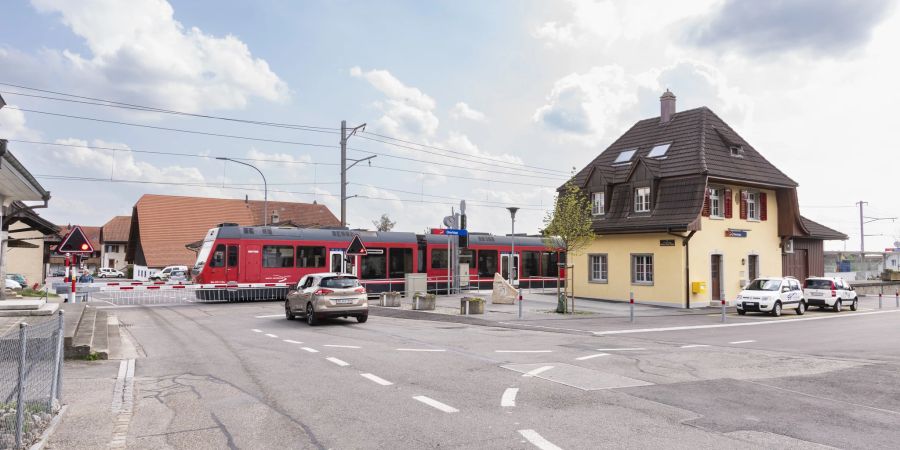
x=340, y=263
x=232, y=268
x=504, y=266
x=251, y=264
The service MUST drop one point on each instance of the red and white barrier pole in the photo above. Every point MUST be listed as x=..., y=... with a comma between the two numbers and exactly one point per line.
x=631, y=305
x=723, y=310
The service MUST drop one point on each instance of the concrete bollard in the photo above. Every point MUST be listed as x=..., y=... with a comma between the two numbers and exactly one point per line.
x=723, y=311
x=631, y=306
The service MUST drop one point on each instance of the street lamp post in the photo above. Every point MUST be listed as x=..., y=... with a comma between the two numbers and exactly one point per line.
x=512, y=257
x=265, y=187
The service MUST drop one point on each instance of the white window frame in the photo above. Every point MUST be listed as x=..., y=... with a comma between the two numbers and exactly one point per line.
x=642, y=199
x=642, y=268
x=752, y=205
x=598, y=268
x=715, y=202
x=598, y=208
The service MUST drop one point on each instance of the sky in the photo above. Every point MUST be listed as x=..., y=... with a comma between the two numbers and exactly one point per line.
x=491, y=102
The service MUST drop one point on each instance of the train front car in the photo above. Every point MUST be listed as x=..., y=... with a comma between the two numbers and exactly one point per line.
x=197, y=274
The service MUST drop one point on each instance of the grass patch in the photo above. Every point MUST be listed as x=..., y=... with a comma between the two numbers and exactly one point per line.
x=28, y=292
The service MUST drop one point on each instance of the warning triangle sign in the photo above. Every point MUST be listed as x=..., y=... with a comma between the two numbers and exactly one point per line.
x=75, y=242
x=356, y=247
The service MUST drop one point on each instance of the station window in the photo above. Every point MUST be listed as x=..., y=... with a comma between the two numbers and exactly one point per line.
x=715, y=202
x=597, y=268
x=642, y=269
x=308, y=257
x=642, y=199
x=598, y=206
x=752, y=205
x=401, y=262
x=373, y=265
x=487, y=263
x=279, y=256
x=438, y=258
x=531, y=262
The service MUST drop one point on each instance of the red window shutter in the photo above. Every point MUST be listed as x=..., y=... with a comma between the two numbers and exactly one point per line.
x=762, y=206
x=728, y=201
x=743, y=204
x=706, y=207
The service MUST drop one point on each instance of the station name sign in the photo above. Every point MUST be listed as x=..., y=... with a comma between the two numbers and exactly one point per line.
x=731, y=232
x=667, y=242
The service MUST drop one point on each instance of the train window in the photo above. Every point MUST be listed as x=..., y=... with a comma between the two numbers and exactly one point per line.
x=310, y=257
x=548, y=264
x=373, y=266
x=278, y=256
x=531, y=264
x=218, y=259
x=487, y=263
x=401, y=262
x=233, y=255
x=439, y=258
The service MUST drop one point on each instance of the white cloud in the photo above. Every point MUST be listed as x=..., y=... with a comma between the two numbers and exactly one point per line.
x=408, y=112
x=277, y=160
x=12, y=125
x=139, y=51
x=462, y=110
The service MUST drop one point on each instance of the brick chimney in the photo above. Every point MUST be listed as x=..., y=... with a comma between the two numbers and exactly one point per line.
x=666, y=106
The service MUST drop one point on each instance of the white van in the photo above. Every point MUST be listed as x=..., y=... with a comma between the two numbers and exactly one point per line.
x=164, y=274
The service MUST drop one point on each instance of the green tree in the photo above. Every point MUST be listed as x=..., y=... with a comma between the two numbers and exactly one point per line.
x=384, y=223
x=570, y=221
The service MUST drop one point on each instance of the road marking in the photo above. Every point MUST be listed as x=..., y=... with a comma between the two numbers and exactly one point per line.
x=271, y=335
x=742, y=324
x=537, y=440
x=269, y=315
x=421, y=350
x=436, y=404
x=311, y=350
x=742, y=342
x=694, y=346
x=376, y=379
x=257, y=331
x=508, y=400
x=548, y=328
x=341, y=346
x=628, y=349
x=537, y=371
x=338, y=361
x=523, y=351
x=291, y=342
x=596, y=355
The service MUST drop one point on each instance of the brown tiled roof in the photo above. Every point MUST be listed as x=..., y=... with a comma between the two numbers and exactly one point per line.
x=676, y=208
x=116, y=230
x=819, y=231
x=165, y=224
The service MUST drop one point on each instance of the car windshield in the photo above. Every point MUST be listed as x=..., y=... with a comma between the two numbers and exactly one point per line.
x=818, y=284
x=339, y=282
x=764, y=285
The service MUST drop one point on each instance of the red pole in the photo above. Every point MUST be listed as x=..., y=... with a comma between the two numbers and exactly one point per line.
x=66, y=276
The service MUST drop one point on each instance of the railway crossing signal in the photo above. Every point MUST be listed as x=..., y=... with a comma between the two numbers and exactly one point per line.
x=76, y=242
x=356, y=247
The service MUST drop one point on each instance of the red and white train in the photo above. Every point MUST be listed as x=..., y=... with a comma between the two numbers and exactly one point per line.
x=237, y=254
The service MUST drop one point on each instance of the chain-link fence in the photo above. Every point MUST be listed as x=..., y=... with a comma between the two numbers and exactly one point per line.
x=30, y=380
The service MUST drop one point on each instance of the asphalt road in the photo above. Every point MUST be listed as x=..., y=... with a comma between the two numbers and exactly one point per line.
x=241, y=376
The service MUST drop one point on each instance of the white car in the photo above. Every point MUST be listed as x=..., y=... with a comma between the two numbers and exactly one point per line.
x=164, y=274
x=109, y=272
x=13, y=284
x=834, y=293
x=772, y=295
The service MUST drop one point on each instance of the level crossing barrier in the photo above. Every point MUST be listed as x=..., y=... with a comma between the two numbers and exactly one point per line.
x=120, y=294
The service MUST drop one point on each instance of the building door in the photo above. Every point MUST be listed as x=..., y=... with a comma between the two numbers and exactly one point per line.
x=716, y=277
x=753, y=266
x=796, y=264
x=504, y=267
x=251, y=264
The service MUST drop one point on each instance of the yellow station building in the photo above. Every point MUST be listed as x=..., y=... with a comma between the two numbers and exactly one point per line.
x=686, y=212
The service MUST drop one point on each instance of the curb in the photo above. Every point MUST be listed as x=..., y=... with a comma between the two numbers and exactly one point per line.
x=45, y=436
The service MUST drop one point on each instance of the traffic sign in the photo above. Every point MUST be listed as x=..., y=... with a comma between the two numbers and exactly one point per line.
x=356, y=247
x=75, y=242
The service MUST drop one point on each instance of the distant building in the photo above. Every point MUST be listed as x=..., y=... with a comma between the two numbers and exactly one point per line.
x=163, y=225
x=28, y=253
x=682, y=199
x=114, y=241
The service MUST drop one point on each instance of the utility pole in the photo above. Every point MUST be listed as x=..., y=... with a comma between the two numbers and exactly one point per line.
x=863, y=220
x=344, y=137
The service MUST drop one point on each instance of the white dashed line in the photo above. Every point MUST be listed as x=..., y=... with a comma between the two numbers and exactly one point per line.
x=376, y=379
x=421, y=350
x=596, y=355
x=537, y=371
x=627, y=349
x=271, y=335
x=269, y=316
x=257, y=331
x=436, y=404
x=338, y=361
x=537, y=440
x=508, y=400
x=291, y=342
x=341, y=346
x=742, y=342
x=694, y=346
x=311, y=350
x=523, y=351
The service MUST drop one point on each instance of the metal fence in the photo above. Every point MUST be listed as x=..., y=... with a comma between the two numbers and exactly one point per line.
x=30, y=380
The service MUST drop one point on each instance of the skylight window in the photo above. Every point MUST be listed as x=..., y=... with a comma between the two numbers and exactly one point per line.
x=659, y=150
x=625, y=156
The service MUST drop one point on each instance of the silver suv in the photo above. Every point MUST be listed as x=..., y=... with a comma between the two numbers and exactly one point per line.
x=323, y=295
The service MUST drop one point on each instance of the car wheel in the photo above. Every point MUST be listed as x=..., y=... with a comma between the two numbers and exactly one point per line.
x=362, y=319
x=287, y=311
x=776, y=310
x=837, y=305
x=801, y=308
x=854, y=305
x=311, y=318
x=741, y=312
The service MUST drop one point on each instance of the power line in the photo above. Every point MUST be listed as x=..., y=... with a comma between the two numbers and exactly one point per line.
x=428, y=195
x=456, y=166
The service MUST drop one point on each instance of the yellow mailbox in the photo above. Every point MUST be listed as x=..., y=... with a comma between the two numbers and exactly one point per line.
x=698, y=287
